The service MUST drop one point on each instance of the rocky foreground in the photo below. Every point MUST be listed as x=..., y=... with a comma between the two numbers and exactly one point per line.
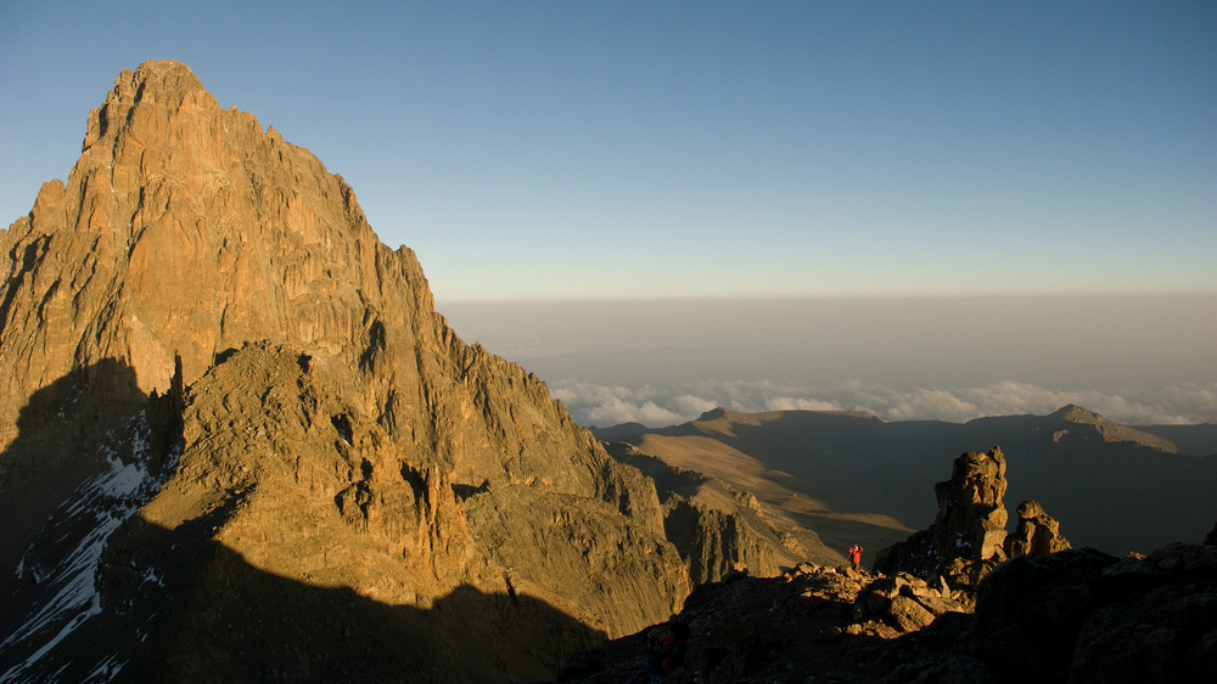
x=1073, y=616
x=961, y=602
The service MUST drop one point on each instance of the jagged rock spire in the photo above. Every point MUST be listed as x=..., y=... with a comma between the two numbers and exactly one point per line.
x=968, y=533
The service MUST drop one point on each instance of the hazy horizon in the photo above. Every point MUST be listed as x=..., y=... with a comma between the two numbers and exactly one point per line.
x=1141, y=359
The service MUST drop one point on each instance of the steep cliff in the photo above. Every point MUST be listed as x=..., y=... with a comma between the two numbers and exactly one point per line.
x=201, y=328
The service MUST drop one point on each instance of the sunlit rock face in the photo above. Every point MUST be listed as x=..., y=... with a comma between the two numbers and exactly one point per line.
x=967, y=537
x=1037, y=533
x=205, y=345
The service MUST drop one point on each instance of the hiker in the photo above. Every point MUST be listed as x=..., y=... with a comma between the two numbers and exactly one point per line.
x=666, y=649
x=855, y=556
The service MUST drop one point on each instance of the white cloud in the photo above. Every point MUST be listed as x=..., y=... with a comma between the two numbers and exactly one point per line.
x=606, y=405
x=603, y=405
x=928, y=403
x=801, y=404
x=688, y=404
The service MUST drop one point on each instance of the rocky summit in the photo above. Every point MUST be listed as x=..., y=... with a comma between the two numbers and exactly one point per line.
x=239, y=444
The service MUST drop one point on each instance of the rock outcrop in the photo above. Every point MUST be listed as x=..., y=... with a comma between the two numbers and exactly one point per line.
x=1084, y=616
x=903, y=604
x=235, y=432
x=1037, y=534
x=966, y=539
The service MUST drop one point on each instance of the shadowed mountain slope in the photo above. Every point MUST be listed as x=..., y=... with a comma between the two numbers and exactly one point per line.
x=852, y=477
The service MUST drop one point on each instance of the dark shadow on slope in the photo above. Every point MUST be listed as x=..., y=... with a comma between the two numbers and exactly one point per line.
x=854, y=461
x=851, y=462
x=851, y=478
x=745, y=630
x=67, y=430
x=1113, y=495
x=1193, y=440
x=178, y=606
x=181, y=607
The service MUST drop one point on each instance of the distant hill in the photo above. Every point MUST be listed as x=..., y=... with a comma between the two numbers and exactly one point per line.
x=852, y=477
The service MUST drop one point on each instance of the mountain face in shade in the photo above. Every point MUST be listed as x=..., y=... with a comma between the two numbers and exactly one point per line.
x=239, y=444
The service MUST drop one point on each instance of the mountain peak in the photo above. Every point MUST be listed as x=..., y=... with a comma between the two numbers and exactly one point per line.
x=1088, y=422
x=164, y=85
x=1077, y=414
x=202, y=312
x=160, y=75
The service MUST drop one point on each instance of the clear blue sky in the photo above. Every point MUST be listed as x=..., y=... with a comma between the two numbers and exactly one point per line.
x=540, y=150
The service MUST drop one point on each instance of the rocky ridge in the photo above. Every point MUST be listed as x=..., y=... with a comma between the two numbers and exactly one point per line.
x=200, y=326
x=1091, y=426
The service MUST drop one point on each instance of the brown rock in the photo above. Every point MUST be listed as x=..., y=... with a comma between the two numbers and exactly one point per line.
x=1073, y=616
x=1037, y=533
x=904, y=602
x=1083, y=616
x=965, y=541
x=909, y=615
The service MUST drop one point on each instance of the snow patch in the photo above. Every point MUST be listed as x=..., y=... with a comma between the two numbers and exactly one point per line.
x=105, y=670
x=100, y=505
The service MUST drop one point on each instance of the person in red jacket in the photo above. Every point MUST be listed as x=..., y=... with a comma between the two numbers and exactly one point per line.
x=855, y=555
x=666, y=649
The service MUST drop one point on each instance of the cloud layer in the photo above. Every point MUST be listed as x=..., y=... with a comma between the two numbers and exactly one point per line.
x=605, y=405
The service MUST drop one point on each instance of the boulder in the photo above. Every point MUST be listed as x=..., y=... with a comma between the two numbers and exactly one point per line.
x=905, y=602
x=1083, y=616
x=1037, y=534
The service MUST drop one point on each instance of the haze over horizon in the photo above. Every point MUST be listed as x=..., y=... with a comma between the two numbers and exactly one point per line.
x=1135, y=359
x=551, y=150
